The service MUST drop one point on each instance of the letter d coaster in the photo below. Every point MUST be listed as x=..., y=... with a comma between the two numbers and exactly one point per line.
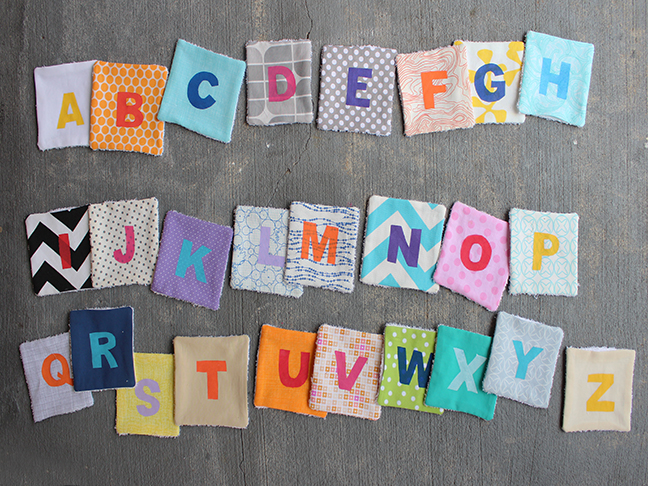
x=211, y=381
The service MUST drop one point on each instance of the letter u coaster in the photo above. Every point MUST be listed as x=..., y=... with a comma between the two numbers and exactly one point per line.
x=203, y=91
x=346, y=373
x=409, y=353
x=456, y=379
x=192, y=261
x=523, y=360
x=125, y=103
x=124, y=237
x=284, y=369
x=598, y=389
x=47, y=370
x=211, y=381
x=544, y=253
x=147, y=409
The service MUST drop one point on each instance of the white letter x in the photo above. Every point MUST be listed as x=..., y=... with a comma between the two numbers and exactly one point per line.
x=467, y=371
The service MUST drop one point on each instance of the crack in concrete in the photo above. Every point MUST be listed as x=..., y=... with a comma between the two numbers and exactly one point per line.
x=290, y=169
x=309, y=18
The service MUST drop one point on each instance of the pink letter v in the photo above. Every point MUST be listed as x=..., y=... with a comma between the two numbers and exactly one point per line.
x=346, y=382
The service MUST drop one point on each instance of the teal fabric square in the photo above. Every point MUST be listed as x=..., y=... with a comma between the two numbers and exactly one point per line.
x=202, y=91
x=459, y=365
x=556, y=78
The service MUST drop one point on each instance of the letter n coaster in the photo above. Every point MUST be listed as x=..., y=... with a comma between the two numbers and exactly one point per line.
x=193, y=260
x=284, y=369
x=346, y=373
x=544, y=253
x=124, y=237
x=147, y=409
x=598, y=389
x=211, y=381
x=459, y=365
x=125, y=103
x=203, y=91
x=46, y=363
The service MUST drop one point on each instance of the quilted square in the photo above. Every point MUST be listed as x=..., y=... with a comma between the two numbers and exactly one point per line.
x=409, y=353
x=598, y=389
x=192, y=261
x=556, y=78
x=211, y=381
x=147, y=409
x=544, y=253
x=46, y=363
x=125, y=103
x=435, y=90
x=523, y=360
x=284, y=368
x=259, y=253
x=102, y=348
x=124, y=237
x=314, y=231
x=474, y=259
x=356, y=89
x=203, y=91
x=402, y=242
x=63, y=95
x=459, y=364
x=346, y=373
x=279, y=82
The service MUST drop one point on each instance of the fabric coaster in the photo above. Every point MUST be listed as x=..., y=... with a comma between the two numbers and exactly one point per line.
x=346, y=373
x=544, y=253
x=193, y=260
x=59, y=250
x=315, y=230
x=147, y=409
x=356, y=89
x=47, y=370
x=102, y=348
x=556, y=78
x=259, y=254
x=125, y=103
x=63, y=95
x=598, y=389
x=523, y=360
x=474, y=259
x=124, y=238
x=435, y=90
x=279, y=82
x=211, y=381
x=409, y=352
x=284, y=368
x=203, y=91
x=402, y=242
x=459, y=364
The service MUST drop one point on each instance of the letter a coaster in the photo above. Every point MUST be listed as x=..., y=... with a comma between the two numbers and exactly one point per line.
x=523, y=360
x=544, y=253
x=357, y=89
x=459, y=365
x=409, y=353
x=474, y=259
x=346, y=373
x=192, y=261
x=124, y=237
x=284, y=369
x=211, y=381
x=556, y=78
x=47, y=370
x=598, y=389
x=259, y=253
x=125, y=102
x=102, y=348
x=203, y=91
x=402, y=242
x=147, y=409
x=279, y=82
